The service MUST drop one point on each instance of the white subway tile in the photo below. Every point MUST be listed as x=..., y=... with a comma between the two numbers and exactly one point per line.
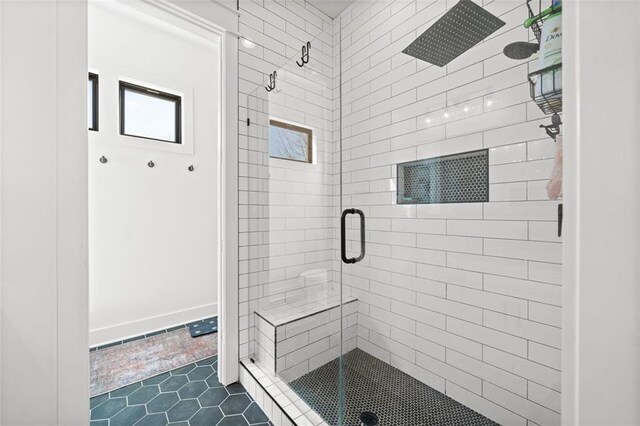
x=487, y=336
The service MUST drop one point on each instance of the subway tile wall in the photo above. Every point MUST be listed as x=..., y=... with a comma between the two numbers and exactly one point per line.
x=465, y=297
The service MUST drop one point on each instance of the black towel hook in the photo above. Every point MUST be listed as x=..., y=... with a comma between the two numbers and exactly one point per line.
x=305, y=54
x=103, y=159
x=553, y=129
x=272, y=82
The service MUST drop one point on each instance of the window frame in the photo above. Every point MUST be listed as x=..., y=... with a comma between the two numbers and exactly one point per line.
x=288, y=126
x=125, y=86
x=95, y=105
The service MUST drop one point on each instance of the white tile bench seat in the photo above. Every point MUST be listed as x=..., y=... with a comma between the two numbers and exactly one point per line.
x=296, y=337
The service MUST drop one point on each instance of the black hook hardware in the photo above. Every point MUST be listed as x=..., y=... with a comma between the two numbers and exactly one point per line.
x=553, y=129
x=272, y=82
x=191, y=168
x=151, y=164
x=103, y=159
x=305, y=55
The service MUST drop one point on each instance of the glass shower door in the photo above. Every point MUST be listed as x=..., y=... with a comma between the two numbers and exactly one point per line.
x=289, y=227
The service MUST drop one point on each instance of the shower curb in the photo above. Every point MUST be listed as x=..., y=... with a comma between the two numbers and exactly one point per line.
x=279, y=407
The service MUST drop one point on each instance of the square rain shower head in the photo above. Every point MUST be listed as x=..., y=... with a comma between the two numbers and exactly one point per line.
x=458, y=30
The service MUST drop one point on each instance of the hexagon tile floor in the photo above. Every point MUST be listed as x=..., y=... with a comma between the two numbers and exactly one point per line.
x=187, y=396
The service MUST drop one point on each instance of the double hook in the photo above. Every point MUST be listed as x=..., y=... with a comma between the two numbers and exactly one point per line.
x=305, y=54
x=272, y=82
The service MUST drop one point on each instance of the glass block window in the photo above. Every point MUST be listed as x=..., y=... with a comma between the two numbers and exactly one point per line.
x=149, y=114
x=92, y=102
x=458, y=178
x=290, y=142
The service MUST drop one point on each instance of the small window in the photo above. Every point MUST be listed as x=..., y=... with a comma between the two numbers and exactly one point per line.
x=92, y=102
x=290, y=142
x=149, y=114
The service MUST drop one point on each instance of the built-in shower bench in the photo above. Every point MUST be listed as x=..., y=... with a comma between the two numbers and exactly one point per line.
x=297, y=337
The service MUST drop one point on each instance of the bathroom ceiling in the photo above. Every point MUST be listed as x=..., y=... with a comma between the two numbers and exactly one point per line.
x=331, y=7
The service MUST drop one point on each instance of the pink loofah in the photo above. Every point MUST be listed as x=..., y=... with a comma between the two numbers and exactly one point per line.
x=554, y=186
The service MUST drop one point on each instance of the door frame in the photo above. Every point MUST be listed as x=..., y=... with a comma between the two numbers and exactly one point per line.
x=221, y=21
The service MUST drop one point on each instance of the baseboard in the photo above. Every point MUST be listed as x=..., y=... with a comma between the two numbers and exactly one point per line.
x=117, y=332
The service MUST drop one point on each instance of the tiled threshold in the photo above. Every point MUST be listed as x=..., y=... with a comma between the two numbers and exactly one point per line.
x=278, y=401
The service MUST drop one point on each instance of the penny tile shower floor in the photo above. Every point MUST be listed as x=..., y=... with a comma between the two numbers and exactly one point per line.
x=373, y=385
x=189, y=395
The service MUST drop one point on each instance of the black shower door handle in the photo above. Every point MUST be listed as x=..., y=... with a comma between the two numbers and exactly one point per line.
x=343, y=237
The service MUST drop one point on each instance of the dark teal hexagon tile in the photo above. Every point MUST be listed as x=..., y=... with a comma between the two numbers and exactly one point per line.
x=255, y=415
x=125, y=391
x=206, y=417
x=156, y=380
x=173, y=383
x=192, y=390
x=236, y=388
x=128, y=416
x=99, y=423
x=233, y=421
x=235, y=404
x=143, y=395
x=179, y=424
x=108, y=408
x=162, y=402
x=212, y=381
x=207, y=361
x=183, y=410
x=200, y=373
x=157, y=419
x=213, y=397
x=95, y=401
x=183, y=370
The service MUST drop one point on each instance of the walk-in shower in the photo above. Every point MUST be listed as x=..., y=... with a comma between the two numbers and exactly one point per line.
x=399, y=252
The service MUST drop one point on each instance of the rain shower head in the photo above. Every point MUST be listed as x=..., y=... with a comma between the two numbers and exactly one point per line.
x=458, y=30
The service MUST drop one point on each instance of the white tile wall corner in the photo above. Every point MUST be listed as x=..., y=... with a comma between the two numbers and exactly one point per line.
x=466, y=297
x=281, y=404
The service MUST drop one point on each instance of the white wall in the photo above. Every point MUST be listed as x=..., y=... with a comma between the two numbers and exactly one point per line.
x=601, y=372
x=154, y=243
x=43, y=227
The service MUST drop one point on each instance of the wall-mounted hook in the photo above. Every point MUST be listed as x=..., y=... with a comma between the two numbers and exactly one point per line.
x=151, y=164
x=272, y=82
x=191, y=168
x=305, y=54
x=103, y=159
x=553, y=129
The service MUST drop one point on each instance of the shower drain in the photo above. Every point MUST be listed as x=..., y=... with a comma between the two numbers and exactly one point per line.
x=367, y=418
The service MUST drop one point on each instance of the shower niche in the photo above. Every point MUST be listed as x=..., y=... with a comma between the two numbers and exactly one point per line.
x=457, y=178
